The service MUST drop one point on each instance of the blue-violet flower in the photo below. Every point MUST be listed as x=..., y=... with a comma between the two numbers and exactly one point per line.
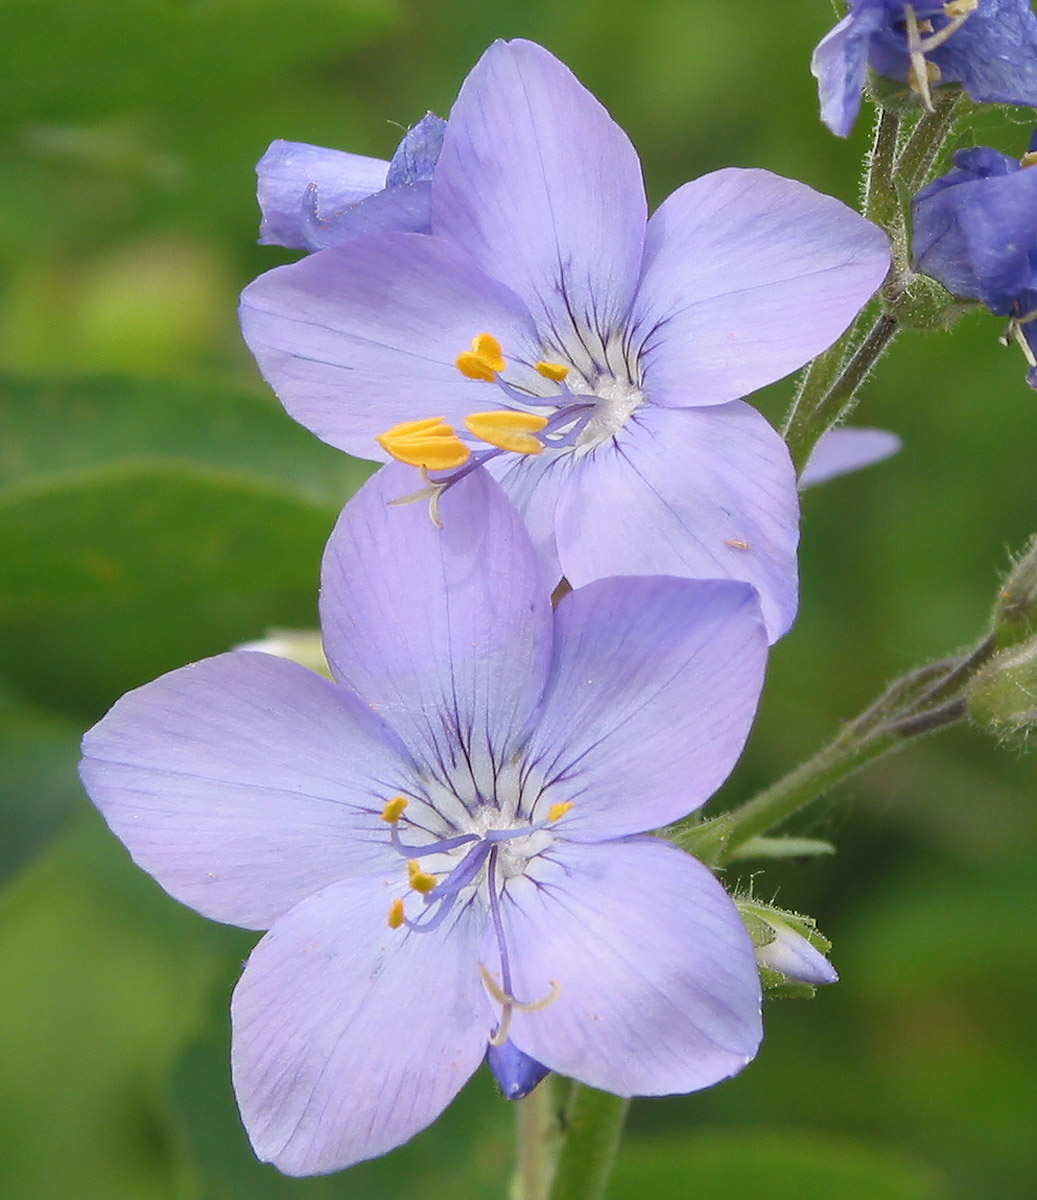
x=975, y=231
x=608, y=353
x=988, y=46
x=312, y=198
x=447, y=844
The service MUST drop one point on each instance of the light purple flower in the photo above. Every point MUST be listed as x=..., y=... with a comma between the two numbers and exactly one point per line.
x=652, y=464
x=312, y=198
x=533, y=748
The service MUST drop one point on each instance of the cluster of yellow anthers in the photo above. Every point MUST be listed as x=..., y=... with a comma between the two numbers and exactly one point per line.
x=433, y=445
x=922, y=73
x=421, y=881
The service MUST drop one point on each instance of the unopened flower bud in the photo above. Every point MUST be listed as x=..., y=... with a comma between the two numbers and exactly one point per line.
x=1015, y=611
x=1002, y=698
x=789, y=949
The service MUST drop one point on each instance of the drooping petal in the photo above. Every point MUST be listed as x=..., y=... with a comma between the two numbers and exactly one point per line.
x=403, y=209
x=653, y=689
x=287, y=172
x=657, y=989
x=244, y=783
x=544, y=189
x=847, y=449
x=349, y=1036
x=359, y=338
x=700, y=493
x=747, y=276
x=840, y=64
x=445, y=632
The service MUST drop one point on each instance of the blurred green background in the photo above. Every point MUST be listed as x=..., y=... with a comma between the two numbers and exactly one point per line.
x=156, y=506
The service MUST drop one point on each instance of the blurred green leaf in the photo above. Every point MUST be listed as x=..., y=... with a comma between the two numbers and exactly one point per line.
x=144, y=526
x=57, y=426
x=104, y=980
x=39, y=788
x=769, y=1164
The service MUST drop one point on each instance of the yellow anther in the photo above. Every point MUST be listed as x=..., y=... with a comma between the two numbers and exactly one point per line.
x=508, y=430
x=559, y=810
x=483, y=361
x=1029, y=159
x=394, y=809
x=396, y=914
x=430, y=444
x=555, y=371
x=960, y=8
x=420, y=880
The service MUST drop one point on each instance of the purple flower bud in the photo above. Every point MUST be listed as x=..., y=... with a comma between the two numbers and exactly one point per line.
x=791, y=955
x=515, y=1072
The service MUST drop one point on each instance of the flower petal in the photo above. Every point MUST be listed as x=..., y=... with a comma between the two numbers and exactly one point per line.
x=244, y=783
x=700, y=493
x=747, y=276
x=349, y=1036
x=533, y=483
x=361, y=337
x=653, y=689
x=445, y=632
x=840, y=65
x=847, y=449
x=544, y=189
x=289, y=170
x=657, y=984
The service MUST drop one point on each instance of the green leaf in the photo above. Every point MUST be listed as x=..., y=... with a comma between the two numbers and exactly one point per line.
x=769, y=1165
x=104, y=980
x=61, y=426
x=782, y=847
x=145, y=526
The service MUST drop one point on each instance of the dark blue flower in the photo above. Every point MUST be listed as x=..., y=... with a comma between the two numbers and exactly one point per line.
x=312, y=198
x=975, y=231
x=988, y=46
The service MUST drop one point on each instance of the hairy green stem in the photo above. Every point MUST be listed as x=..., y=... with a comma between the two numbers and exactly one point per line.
x=813, y=417
x=594, y=1121
x=536, y=1128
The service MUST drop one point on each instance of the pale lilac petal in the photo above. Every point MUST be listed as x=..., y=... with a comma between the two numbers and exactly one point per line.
x=244, y=783
x=544, y=189
x=702, y=493
x=349, y=1036
x=747, y=276
x=445, y=632
x=656, y=977
x=358, y=338
x=653, y=689
x=292, y=173
x=417, y=154
x=847, y=449
x=791, y=955
x=533, y=484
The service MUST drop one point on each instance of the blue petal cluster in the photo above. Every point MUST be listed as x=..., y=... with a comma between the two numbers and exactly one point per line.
x=975, y=231
x=990, y=49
